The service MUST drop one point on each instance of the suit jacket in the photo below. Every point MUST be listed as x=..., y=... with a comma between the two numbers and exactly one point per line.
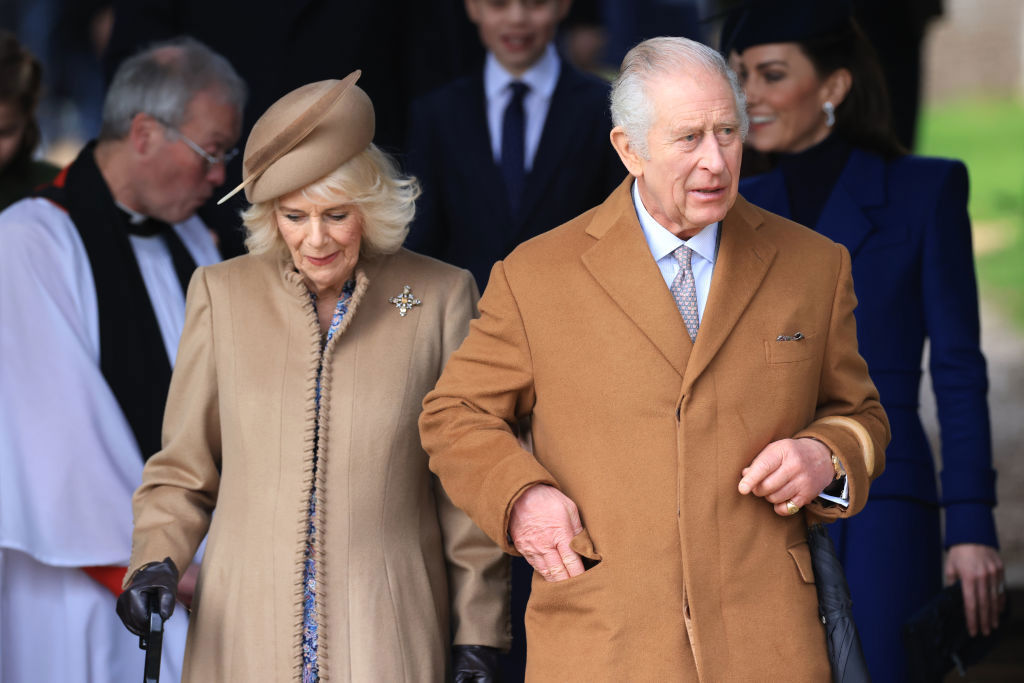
x=400, y=570
x=648, y=434
x=463, y=216
x=906, y=226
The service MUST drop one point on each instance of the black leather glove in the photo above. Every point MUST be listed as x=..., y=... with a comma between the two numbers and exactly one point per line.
x=475, y=663
x=159, y=579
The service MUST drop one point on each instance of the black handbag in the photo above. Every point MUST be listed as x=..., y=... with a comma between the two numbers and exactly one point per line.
x=936, y=637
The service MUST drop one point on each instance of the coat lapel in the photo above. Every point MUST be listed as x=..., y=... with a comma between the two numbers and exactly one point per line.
x=860, y=187
x=622, y=265
x=744, y=257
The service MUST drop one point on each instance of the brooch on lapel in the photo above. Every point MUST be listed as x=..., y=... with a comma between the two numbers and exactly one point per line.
x=404, y=301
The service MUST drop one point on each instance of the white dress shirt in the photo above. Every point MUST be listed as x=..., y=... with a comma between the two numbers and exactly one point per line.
x=542, y=78
x=662, y=243
x=704, y=244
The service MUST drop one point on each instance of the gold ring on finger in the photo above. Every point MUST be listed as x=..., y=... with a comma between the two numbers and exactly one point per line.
x=791, y=508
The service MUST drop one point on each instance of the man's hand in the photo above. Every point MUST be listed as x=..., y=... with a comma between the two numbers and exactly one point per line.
x=542, y=524
x=789, y=471
x=980, y=571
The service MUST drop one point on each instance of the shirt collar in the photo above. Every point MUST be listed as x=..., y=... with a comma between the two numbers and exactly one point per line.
x=134, y=217
x=661, y=242
x=542, y=77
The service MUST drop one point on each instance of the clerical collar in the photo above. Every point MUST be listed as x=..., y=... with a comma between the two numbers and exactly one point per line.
x=134, y=217
x=140, y=224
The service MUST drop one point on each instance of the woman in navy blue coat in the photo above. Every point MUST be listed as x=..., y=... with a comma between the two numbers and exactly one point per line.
x=819, y=113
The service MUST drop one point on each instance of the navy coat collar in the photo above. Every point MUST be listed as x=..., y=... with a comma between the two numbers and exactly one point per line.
x=845, y=217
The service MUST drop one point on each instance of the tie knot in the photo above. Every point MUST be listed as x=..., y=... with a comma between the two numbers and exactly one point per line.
x=682, y=255
x=519, y=90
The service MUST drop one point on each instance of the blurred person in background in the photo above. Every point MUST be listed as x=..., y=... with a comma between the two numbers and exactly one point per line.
x=514, y=149
x=818, y=108
x=20, y=89
x=93, y=272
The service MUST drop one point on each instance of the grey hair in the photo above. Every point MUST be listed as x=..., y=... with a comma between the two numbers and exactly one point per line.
x=370, y=181
x=161, y=81
x=631, y=105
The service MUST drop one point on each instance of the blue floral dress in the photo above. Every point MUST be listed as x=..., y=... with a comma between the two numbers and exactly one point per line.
x=310, y=626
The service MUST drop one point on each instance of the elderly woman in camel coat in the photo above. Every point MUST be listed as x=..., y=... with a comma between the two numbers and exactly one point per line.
x=333, y=554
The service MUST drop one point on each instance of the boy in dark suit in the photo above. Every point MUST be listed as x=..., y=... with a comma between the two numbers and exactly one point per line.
x=513, y=150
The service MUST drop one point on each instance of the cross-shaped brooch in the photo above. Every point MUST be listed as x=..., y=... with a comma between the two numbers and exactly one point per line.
x=404, y=301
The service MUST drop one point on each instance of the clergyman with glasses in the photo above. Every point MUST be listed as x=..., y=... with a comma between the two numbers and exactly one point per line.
x=93, y=271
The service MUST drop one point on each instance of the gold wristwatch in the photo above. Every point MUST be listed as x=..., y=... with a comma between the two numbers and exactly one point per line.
x=838, y=467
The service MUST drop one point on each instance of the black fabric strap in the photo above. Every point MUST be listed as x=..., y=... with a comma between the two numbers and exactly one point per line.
x=133, y=358
x=184, y=265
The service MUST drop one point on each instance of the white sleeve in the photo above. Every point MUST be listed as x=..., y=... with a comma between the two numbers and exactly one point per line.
x=68, y=460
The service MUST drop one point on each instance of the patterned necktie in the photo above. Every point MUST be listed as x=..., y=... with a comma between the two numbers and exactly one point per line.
x=684, y=290
x=513, y=137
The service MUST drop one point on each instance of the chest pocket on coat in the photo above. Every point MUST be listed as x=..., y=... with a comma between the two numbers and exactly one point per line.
x=788, y=349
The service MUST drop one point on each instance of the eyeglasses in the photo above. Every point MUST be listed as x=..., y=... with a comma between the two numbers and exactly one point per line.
x=223, y=158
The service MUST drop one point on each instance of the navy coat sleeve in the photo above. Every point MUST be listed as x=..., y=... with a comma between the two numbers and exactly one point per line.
x=957, y=366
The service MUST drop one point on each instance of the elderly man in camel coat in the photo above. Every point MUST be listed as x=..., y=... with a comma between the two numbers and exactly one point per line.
x=686, y=405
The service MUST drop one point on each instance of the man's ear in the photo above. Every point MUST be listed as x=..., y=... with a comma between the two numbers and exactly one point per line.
x=472, y=11
x=631, y=159
x=836, y=87
x=144, y=133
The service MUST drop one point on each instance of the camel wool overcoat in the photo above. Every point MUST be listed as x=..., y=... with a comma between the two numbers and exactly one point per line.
x=399, y=568
x=648, y=434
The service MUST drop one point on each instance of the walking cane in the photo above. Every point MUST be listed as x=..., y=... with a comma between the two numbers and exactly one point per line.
x=153, y=642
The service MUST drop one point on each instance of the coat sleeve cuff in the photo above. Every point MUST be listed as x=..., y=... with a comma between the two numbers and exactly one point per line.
x=970, y=523
x=857, y=451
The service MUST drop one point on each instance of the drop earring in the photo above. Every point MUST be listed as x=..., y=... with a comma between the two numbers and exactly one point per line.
x=830, y=114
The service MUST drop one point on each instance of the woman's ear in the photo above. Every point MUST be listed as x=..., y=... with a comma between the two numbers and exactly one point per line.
x=836, y=87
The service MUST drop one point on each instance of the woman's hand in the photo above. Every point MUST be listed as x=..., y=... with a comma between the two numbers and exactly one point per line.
x=187, y=585
x=156, y=579
x=474, y=664
x=980, y=571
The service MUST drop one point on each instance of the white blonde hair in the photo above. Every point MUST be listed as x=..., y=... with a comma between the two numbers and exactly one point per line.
x=631, y=104
x=369, y=181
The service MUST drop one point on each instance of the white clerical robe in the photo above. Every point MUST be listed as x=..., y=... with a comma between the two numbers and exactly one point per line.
x=69, y=462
